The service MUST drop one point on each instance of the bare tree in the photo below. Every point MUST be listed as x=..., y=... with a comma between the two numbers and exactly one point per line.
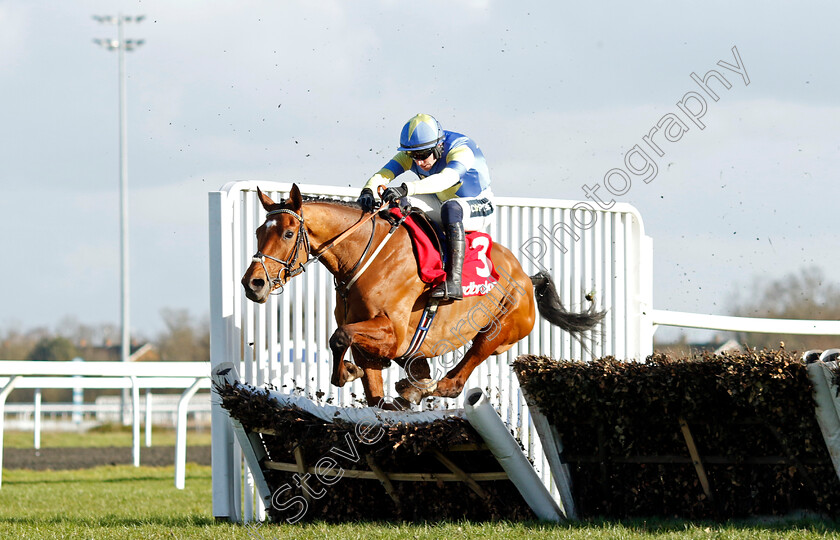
x=79, y=333
x=15, y=345
x=183, y=340
x=803, y=295
x=53, y=349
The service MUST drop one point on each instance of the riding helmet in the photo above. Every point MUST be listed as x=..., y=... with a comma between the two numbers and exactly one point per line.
x=420, y=133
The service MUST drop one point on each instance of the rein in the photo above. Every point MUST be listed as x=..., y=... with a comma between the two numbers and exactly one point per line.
x=343, y=288
x=302, y=241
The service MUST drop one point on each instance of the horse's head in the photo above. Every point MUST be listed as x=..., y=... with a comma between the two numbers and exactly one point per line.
x=282, y=247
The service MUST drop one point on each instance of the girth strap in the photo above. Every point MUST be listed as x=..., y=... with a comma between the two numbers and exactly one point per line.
x=422, y=328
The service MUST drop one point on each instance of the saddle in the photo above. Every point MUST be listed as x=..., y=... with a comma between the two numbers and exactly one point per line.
x=428, y=243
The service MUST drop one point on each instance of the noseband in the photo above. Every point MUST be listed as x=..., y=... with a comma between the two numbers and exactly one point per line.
x=302, y=241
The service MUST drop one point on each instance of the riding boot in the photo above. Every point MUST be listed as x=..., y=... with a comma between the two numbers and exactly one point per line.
x=451, y=288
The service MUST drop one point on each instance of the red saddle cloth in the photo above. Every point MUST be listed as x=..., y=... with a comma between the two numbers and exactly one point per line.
x=479, y=275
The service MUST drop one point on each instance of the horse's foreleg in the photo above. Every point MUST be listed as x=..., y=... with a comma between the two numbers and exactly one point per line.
x=372, y=383
x=376, y=337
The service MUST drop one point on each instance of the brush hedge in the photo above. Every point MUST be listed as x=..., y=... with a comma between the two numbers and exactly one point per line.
x=395, y=448
x=626, y=430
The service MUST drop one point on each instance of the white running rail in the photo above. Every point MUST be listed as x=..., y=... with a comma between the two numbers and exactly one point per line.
x=15, y=374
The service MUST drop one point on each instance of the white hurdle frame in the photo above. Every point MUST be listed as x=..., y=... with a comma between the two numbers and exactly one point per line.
x=284, y=342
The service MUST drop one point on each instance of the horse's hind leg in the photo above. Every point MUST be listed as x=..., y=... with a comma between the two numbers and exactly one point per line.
x=510, y=327
x=418, y=383
x=512, y=320
x=452, y=384
x=375, y=337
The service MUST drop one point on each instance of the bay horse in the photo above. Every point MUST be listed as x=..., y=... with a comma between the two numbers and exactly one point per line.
x=379, y=306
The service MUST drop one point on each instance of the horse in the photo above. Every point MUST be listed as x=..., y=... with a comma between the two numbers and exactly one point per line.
x=379, y=305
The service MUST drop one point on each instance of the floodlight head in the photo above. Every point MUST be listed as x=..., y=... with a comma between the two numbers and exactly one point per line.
x=131, y=44
x=109, y=44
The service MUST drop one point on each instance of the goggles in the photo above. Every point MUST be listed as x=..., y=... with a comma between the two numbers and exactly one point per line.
x=420, y=155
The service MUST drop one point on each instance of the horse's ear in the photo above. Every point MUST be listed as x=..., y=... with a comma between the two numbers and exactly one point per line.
x=265, y=200
x=295, y=198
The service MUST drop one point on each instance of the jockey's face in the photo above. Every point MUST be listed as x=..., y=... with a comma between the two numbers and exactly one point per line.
x=426, y=164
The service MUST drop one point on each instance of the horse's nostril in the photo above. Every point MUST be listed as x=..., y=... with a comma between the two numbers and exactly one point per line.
x=257, y=283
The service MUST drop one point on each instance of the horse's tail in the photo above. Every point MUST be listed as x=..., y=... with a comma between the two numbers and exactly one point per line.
x=551, y=308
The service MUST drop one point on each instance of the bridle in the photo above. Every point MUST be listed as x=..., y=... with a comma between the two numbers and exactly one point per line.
x=302, y=242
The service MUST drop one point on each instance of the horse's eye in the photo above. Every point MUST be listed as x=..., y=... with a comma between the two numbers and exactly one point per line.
x=288, y=234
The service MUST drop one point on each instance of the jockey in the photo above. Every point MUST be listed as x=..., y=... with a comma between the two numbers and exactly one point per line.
x=453, y=188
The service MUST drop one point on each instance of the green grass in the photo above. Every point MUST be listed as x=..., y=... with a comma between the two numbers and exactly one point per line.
x=107, y=502
x=126, y=502
x=528, y=531
x=116, y=502
x=108, y=435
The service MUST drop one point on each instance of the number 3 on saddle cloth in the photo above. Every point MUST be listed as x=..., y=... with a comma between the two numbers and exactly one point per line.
x=479, y=275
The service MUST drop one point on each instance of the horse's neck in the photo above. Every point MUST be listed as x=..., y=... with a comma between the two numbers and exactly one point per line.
x=328, y=222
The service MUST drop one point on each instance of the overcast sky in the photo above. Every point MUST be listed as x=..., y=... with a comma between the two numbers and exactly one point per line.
x=555, y=93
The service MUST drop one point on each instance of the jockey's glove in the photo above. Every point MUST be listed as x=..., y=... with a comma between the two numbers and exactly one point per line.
x=391, y=194
x=366, y=200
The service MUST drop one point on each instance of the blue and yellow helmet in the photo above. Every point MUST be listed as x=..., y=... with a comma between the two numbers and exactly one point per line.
x=420, y=133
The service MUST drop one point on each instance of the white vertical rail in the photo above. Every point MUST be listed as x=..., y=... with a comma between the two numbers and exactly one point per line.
x=586, y=258
x=181, y=434
x=237, y=350
x=135, y=421
x=499, y=228
x=4, y=393
x=631, y=251
x=287, y=346
x=597, y=243
x=274, y=367
x=618, y=276
x=37, y=432
x=646, y=326
x=608, y=271
x=248, y=307
x=222, y=298
x=249, y=344
x=148, y=410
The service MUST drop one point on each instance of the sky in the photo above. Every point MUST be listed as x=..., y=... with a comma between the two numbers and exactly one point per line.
x=555, y=93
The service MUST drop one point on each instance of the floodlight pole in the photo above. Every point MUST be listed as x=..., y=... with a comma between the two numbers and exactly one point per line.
x=125, y=341
x=121, y=45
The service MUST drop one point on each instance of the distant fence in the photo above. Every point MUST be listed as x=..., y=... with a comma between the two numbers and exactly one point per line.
x=661, y=317
x=160, y=410
x=191, y=376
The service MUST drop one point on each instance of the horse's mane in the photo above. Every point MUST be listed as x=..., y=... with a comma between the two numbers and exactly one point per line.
x=330, y=200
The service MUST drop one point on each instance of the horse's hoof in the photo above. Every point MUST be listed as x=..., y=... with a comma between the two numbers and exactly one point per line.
x=396, y=404
x=353, y=371
x=415, y=391
x=401, y=404
x=447, y=388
